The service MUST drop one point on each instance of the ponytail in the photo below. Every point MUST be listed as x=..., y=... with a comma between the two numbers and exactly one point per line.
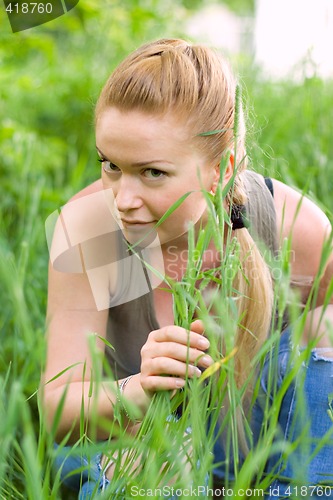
x=255, y=301
x=253, y=290
x=253, y=282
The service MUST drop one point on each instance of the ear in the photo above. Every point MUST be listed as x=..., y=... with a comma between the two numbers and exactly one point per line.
x=227, y=173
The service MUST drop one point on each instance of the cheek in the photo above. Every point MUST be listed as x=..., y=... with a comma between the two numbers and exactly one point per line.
x=107, y=184
x=191, y=209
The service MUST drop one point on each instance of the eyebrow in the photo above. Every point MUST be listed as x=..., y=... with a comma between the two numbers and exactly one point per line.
x=136, y=164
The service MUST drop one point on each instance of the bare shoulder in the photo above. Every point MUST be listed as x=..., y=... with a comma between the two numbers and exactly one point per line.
x=305, y=223
x=73, y=308
x=85, y=206
x=95, y=187
x=293, y=209
x=86, y=216
x=91, y=211
x=81, y=210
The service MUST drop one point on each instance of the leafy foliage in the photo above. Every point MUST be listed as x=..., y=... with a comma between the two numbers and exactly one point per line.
x=292, y=128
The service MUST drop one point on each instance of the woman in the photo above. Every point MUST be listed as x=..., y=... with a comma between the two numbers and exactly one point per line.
x=164, y=120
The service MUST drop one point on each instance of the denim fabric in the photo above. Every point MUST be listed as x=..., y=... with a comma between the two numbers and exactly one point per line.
x=304, y=419
x=85, y=475
x=80, y=473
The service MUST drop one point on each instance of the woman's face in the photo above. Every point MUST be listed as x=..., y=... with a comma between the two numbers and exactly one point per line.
x=149, y=163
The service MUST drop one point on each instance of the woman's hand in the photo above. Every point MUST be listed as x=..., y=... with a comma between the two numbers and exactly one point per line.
x=171, y=354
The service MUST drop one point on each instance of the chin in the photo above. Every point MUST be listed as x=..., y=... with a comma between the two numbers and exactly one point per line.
x=141, y=239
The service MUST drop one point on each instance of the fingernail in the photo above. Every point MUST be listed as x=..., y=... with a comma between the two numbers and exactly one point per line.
x=179, y=382
x=203, y=343
x=197, y=371
x=206, y=361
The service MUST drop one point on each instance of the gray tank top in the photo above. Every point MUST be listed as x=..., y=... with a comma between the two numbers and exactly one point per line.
x=130, y=323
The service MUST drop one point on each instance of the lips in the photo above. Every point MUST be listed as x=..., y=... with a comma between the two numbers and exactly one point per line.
x=136, y=222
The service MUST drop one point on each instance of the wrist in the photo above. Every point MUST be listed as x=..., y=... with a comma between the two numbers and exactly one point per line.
x=131, y=398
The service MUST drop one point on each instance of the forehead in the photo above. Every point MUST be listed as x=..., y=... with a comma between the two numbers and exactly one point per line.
x=115, y=121
x=127, y=137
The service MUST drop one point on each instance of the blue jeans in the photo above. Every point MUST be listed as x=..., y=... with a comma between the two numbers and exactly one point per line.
x=304, y=424
x=86, y=476
x=79, y=472
x=305, y=420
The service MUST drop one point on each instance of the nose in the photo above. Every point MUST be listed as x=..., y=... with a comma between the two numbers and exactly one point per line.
x=127, y=194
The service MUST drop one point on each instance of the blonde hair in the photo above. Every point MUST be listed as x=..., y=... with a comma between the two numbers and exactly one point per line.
x=190, y=80
x=195, y=83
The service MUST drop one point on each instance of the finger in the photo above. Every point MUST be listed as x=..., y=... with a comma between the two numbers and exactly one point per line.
x=169, y=366
x=198, y=326
x=158, y=383
x=181, y=336
x=175, y=351
x=204, y=361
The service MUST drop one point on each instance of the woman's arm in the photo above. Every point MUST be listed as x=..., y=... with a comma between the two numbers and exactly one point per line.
x=74, y=316
x=71, y=318
x=305, y=223
x=309, y=229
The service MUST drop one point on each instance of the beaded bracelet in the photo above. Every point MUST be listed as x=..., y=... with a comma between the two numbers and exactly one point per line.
x=120, y=394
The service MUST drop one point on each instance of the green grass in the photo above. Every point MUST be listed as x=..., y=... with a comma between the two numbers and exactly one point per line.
x=49, y=80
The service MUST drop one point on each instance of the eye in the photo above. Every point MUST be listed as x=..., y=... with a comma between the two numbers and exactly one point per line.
x=153, y=173
x=108, y=167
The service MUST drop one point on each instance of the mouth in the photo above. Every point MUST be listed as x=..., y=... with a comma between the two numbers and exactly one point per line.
x=133, y=223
